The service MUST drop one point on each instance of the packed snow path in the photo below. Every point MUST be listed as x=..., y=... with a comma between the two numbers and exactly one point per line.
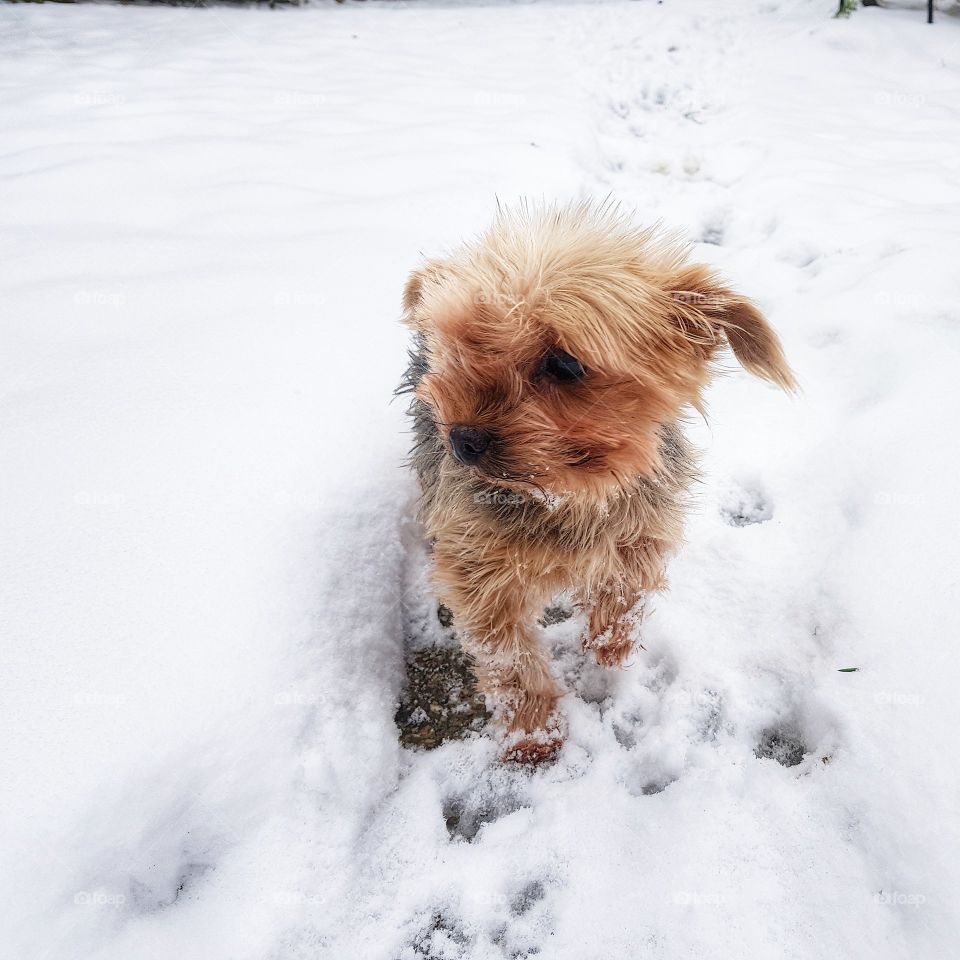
x=209, y=564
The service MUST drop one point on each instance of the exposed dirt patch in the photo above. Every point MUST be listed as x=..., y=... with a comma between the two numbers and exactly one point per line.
x=440, y=700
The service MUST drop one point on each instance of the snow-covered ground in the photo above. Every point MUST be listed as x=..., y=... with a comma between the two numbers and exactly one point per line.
x=209, y=567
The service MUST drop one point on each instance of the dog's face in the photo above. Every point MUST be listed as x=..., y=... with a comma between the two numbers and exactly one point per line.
x=558, y=344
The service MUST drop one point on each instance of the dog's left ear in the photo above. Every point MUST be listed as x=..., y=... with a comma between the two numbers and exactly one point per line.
x=419, y=280
x=412, y=292
x=708, y=309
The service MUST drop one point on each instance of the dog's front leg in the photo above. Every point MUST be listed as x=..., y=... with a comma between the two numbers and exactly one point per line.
x=494, y=600
x=617, y=605
x=614, y=610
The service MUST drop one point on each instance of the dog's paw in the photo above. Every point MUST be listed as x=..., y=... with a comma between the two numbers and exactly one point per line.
x=536, y=731
x=535, y=748
x=614, y=653
x=612, y=647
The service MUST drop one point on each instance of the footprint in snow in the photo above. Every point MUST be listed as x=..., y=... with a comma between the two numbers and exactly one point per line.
x=742, y=507
x=786, y=746
x=159, y=893
x=714, y=229
x=466, y=814
x=439, y=937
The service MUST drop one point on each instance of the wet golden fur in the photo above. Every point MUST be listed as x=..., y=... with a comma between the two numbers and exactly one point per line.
x=583, y=485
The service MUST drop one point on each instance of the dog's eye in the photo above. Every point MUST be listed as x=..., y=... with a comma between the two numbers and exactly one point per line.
x=559, y=365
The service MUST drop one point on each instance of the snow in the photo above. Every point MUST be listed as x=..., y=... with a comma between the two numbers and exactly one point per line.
x=207, y=547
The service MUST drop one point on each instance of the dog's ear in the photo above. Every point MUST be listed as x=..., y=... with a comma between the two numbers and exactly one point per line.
x=417, y=283
x=412, y=292
x=707, y=309
x=754, y=342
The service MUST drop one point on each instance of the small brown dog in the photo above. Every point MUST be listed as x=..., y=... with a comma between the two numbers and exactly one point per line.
x=553, y=360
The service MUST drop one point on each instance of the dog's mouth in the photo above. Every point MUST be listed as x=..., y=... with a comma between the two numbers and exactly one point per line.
x=507, y=484
x=490, y=467
x=493, y=467
x=526, y=481
x=557, y=468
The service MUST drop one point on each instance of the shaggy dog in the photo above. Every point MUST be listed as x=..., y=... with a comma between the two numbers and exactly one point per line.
x=553, y=360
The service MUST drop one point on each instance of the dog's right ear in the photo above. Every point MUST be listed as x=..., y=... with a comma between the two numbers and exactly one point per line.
x=708, y=310
x=753, y=342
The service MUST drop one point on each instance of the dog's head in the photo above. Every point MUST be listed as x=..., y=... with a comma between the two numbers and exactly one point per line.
x=559, y=342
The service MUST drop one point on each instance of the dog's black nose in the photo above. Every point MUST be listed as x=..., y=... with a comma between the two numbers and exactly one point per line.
x=468, y=443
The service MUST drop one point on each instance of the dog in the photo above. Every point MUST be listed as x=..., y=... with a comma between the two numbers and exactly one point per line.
x=553, y=360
